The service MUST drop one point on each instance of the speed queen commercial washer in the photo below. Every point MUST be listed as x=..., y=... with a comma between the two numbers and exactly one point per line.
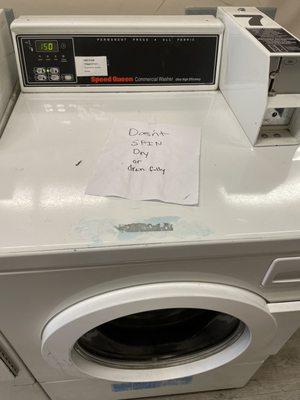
x=112, y=298
x=16, y=382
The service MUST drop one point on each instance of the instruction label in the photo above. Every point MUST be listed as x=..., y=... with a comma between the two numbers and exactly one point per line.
x=91, y=66
x=276, y=40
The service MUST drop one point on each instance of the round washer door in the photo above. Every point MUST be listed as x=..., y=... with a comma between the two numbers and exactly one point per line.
x=157, y=331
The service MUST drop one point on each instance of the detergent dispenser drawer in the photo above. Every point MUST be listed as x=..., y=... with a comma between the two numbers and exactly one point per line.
x=283, y=271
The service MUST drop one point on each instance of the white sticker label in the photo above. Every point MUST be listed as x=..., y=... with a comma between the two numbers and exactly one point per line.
x=91, y=66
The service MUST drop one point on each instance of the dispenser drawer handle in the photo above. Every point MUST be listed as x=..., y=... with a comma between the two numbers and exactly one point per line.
x=283, y=271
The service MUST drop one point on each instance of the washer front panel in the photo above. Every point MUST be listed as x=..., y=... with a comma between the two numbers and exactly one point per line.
x=63, y=331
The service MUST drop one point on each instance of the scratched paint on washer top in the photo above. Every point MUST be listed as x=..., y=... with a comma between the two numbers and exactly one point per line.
x=143, y=227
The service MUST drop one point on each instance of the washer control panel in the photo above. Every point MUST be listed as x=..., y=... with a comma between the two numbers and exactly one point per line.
x=47, y=60
x=119, y=60
x=117, y=53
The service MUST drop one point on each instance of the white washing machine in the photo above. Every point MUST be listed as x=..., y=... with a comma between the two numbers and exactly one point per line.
x=16, y=382
x=113, y=298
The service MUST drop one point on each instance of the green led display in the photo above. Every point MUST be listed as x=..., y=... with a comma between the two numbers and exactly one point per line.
x=46, y=46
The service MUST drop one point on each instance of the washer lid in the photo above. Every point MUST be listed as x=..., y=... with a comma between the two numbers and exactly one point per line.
x=236, y=319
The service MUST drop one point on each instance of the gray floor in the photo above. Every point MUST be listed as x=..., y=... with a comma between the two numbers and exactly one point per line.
x=277, y=379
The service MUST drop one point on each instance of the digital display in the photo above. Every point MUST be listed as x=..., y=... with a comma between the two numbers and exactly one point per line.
x=46, y=46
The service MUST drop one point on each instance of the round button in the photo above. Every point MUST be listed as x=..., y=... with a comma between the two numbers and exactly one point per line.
x=55, y=77
x=40, y=70
x=41, y=77
x=68, y=77
x=54, y=70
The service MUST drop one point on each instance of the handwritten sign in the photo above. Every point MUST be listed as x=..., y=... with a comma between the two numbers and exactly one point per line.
x=145, y=161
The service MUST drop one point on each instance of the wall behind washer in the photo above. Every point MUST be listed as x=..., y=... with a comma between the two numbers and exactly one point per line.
x=288, y=13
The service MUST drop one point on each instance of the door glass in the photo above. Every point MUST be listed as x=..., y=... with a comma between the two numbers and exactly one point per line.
x=160, y=337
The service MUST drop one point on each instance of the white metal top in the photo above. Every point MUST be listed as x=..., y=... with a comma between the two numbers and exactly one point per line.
x=245, y=193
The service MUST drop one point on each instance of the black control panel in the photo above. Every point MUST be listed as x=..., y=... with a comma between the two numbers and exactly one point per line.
x=118, y=60
x=47, y=61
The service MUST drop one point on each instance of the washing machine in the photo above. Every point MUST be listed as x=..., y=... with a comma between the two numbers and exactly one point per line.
x=112, y=298
x=16, y=382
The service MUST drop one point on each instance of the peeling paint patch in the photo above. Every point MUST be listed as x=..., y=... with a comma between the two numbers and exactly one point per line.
x=90, y=230
x=144, y=227
x=154, y=228
x=161, y=229
x=193, y=229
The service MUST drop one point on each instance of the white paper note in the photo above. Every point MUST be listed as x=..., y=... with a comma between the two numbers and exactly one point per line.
x=146, y=161
x=91, y=66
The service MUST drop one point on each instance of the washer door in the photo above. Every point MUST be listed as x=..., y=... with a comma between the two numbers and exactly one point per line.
x=157, y=331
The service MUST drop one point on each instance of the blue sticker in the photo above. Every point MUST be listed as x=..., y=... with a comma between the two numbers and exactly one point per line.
x=129, y=386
